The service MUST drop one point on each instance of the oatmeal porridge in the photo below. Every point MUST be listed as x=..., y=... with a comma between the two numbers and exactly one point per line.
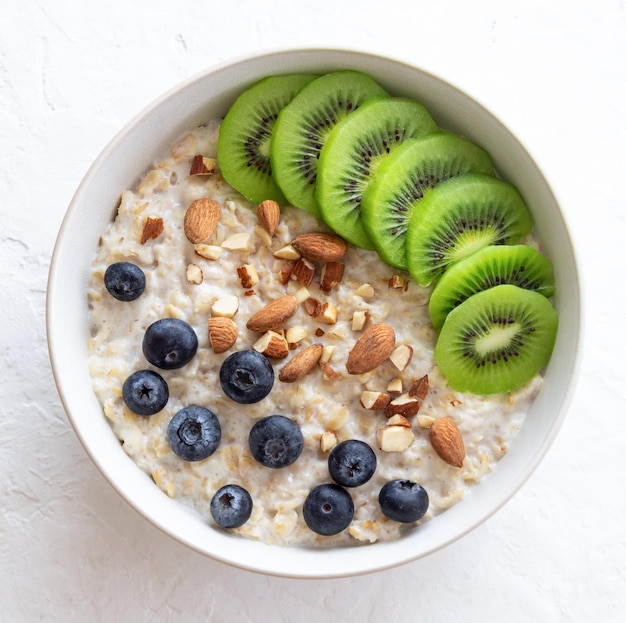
x=237, y=272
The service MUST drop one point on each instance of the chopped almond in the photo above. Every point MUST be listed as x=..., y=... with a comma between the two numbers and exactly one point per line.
x=331, y=275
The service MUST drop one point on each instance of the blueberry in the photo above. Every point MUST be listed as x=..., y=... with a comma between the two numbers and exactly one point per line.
x=403, y=500
x=124, y=281
x=169, y=343
x=328, y=509
x=194, y=433
x=246, y=376
x=231, y=506
x=275, y=441
x=351, y=463
x=145, y=392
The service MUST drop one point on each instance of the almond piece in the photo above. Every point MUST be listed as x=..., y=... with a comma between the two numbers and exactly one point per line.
x=395, y=386
x=374, y=400
x=359, y=318
x=301, y=363
x=401, y=356
x=237, y=242
x=398, y=420
x=273, y=345
x=328, y=372
x=311, y=306
x=371, y=349
x=268, y=214
x=248, y=276
x=331, y=275
x=328, y=440
x=225, y=306
x=201, y=219
x=365, y=291
x=394, y=438
x=287, y=253
x=296, y=334
x=274, y=314
x=152, y=228
x=404, y=405
x=326, y=313
x=194, y=274
x=302, y=294
x=208, y=251
x=202, y=165
x=447, y=441
x=303, y=271
x=223, y=333
x=320, y=246
x=419, y=389
x=284, y=274
x=397, y=282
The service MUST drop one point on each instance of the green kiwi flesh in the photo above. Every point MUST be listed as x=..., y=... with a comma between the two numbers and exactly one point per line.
x=303, y=126
x=352, y=153
x=519, y=265
x=496, y=340
x=243, y=148
x=402, y=180
x=461, y=216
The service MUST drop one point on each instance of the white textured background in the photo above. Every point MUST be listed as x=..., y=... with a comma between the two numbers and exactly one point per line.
x=73, y=72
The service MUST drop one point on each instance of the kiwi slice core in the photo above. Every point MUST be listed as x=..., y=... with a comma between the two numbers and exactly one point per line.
x=496, y=340
x=243, y=148
x=304, y=124
x=519, y=265
x=402, y=180
x=352, y=153
x=461, y=216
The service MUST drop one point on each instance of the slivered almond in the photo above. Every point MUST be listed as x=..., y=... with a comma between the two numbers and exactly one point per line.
x=194, y=274
x=404, y=405
x=208, y=251
x=268, y=214
x=202, y=165
x=272, y=344
x=301, y=364
x=304, y=271
x=371, y=349
x=331, y=275
x=374, y=400
x=320, y=246
x=447, y=441
x=223, y=333
x=152, y=228
x=201, y=219
x=274, y=314
x=239, y=241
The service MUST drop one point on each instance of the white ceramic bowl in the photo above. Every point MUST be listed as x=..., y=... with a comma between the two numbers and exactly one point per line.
x=120, y=166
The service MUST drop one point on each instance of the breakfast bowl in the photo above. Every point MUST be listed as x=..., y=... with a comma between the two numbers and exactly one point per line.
x=138, y=159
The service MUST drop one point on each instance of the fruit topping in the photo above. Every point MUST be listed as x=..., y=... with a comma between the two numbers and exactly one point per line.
x=194, y=433
x=403, y=500
x=169, y=343
x=124, y=281
x=145, y=392
x=275, y=441
x=351, y=463
x=231, y=506
x=246, y=376
x=328, y=509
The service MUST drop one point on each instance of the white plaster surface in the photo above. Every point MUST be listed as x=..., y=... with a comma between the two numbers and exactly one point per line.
x=73, y=72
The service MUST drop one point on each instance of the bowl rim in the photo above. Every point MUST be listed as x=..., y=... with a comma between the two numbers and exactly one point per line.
x=362, y=564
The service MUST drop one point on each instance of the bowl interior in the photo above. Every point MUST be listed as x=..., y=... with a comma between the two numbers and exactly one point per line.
x=148, y=137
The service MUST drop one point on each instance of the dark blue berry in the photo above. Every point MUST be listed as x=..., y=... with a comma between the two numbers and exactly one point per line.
x=231, y=506
x=351, y=463
x=403, y=500
x=145, y=392
x=246, y=376
x=194, y=433
x=124, y=281
x=169, y=343
x=328, y=509
x=275, y=441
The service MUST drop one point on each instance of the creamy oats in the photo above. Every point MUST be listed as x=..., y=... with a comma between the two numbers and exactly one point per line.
x=185, y=282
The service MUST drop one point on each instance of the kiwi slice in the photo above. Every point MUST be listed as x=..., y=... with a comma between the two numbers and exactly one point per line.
x=401, y=181
x=461, y=216
x=519, y=265
x=352, y=153
x=243, y=147
x=496, y=340
x=303, y=125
